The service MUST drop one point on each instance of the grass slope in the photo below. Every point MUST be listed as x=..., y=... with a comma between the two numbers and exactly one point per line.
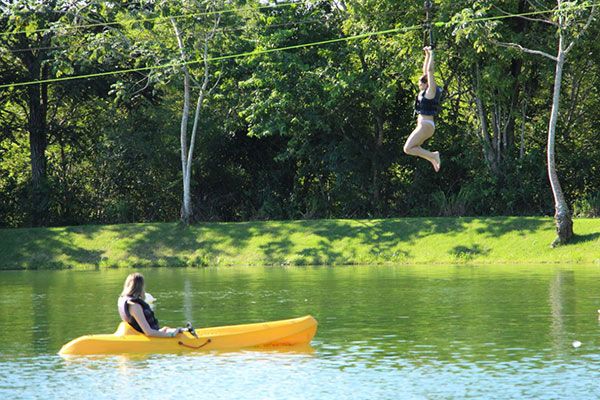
x=316, y=242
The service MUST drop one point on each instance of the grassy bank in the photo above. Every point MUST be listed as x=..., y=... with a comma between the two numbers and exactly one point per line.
x=334, y=242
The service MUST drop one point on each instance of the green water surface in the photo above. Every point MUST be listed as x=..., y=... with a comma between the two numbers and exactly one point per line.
x=385, y=332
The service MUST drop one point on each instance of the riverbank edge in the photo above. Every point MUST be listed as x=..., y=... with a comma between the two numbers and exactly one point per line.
x=443, y=240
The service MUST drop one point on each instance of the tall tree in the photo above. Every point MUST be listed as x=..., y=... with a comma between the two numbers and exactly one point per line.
x=567, y=20
x=26, y=24
x=201, y=41
x=40, y=44
x=495, y=81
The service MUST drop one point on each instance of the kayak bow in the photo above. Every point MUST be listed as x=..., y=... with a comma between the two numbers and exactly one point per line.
x=289, y=332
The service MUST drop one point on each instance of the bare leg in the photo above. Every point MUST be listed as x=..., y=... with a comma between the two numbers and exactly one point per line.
x=413, y=145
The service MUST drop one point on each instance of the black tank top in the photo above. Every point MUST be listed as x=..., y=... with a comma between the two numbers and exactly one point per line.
x=127, y=317
x=425, y=106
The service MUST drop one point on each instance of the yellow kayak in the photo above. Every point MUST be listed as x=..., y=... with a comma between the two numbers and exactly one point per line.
x=289, y=332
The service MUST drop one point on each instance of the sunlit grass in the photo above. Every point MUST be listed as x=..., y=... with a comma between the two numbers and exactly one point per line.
x=500, y=240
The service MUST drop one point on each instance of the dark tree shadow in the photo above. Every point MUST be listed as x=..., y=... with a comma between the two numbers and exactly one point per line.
x=467, y=253
x=32, y=248
x=590, y=237
x=172, y=244
x=499, y=226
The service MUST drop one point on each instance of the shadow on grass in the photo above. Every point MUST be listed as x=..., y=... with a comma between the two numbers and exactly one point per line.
x=500, y=226
x=590, y=237
x=468, y=253
x=173, y=244
x=269, y=242
x=41, y=249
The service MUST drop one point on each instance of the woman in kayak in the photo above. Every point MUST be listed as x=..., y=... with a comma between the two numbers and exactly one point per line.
x=137, y=313
x=426, y=107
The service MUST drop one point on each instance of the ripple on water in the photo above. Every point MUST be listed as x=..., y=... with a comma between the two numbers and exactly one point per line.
x=384, y=333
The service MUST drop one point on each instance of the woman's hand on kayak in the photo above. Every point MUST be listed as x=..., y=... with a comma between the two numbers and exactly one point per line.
x=172, y=332
x=175, y=331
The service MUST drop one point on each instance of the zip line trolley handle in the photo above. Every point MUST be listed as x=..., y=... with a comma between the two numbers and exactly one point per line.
x=428, y=6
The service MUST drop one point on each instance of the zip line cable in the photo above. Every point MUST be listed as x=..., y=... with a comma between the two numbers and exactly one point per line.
x=427, y=23
x=282, y=25
x=211, y=59
x=277, y=49
x=526, y=14
x=30, y=49
x=428, y=6
x=180, y=16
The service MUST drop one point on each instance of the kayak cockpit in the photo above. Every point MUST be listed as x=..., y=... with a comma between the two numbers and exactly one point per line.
x=124, y=329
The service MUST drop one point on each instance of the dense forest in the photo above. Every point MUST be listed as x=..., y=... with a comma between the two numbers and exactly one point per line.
x=111, y=110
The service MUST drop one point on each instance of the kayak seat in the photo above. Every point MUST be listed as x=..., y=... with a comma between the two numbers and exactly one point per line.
x=124, y=329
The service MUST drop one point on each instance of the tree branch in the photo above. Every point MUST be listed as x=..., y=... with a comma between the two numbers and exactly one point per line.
x=186, y=100
x=525, y=50
x=145, y=78
x=546, y=21
x=585, y=27
x=216, y=83
x=535, y=4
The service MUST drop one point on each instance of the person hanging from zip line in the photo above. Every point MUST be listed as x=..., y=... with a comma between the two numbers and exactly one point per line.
x=426, y=107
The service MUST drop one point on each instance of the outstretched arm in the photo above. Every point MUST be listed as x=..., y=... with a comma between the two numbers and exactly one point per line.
x=138, y=314
x=426, y=61
x=432, y=86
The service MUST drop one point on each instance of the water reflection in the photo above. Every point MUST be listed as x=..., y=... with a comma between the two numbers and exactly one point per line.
x=384, y=332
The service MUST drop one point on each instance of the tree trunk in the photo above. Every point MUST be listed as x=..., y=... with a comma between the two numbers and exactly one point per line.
x=509, y=128
x=38, y=95
x=187, y=152
x=186, y=204
x=488, y=147
x=562, y=215
x=375, y=159
x=486, y=139
x=522, y=146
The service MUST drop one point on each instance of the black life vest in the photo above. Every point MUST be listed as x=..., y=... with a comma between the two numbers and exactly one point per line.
x=425, y=106
x=127, y=317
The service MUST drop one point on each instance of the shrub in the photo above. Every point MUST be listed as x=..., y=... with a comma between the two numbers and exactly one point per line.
x=587, y=207
x=452, y=205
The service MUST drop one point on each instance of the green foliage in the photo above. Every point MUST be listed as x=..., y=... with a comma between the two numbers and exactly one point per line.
x=13, y=182
x=314, y=132
x=587, y=207
x=453, y=205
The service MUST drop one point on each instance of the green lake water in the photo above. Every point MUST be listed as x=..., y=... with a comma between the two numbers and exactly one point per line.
x=385, y=332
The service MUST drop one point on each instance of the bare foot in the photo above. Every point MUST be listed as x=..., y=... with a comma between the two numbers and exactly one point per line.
x=437, y=163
